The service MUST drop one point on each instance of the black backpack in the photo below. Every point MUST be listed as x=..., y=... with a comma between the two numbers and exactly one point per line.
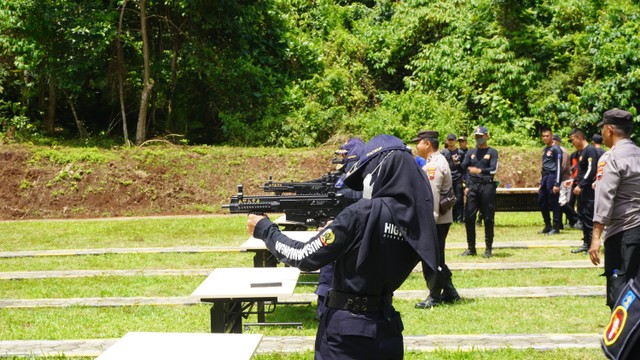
x=622, y=335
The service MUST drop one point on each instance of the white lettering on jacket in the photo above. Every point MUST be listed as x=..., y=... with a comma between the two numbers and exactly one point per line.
x=298, y=254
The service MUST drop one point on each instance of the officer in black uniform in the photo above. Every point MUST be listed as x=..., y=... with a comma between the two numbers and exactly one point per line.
x=549, y=191
x=351, y=151
x=596, y=141
x=481, y=163
x=455, y=157
x=375, y=244
x=587, y=166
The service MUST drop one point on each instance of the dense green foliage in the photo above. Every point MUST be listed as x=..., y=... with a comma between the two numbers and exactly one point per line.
x=298, y=72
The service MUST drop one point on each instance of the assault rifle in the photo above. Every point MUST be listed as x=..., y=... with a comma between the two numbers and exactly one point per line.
x=313, y=209
x=322, y=185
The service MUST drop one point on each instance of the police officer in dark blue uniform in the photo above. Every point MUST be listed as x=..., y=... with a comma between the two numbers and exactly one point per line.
x=549, y=191
x=351, y=152
x=375, y=244
x=481, y=163
x=455, y=157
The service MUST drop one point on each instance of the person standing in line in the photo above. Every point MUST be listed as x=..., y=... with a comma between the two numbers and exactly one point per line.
x=375, y=243
x=455, y=157
x=349, y=152
x=583, y=190
x=596, y=141
x=481, y=163
x=462, y=144
x=565, y=189
x=438, y=172
x=549, y=191
x=617, y=209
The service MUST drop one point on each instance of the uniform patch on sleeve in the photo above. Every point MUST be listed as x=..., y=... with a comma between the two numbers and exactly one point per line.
x=487, y=157
x=327, y=237
x=431, y=173
x=600, y=172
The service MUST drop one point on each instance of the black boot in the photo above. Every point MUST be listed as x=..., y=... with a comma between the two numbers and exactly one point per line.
x=546, y=229
x=487, y=251
x=449, y=293
x=434, y=299
x=469, y=252
x=583, y=248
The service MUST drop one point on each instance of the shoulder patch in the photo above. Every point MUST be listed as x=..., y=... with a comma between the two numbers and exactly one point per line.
x=327, y=237
x=487, y=157
x=600, y=172
x=618, y=319
x=431, y=173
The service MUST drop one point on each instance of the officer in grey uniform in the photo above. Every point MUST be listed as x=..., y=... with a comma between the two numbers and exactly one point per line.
x=375, y=243
x=438, y=172
x=617, y=209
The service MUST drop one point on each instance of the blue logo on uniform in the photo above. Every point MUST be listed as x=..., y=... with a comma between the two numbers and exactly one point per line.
x=629, y=298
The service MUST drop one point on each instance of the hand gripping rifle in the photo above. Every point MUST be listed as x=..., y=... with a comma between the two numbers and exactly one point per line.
x=313, y=209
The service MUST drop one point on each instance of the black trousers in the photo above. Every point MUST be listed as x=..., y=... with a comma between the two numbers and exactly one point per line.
x=458, y=208
x=444, y=274
x=371, y=335
x=585, y=212
x=481, y=196
x=548, y=201
x=622, y=257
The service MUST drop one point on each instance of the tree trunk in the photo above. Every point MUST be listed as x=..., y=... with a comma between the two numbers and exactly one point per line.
x=121, y=74
x=141, y=130
x=51, y=111
x=81, y=129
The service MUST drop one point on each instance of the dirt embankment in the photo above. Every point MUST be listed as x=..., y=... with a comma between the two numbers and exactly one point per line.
x=39, y=182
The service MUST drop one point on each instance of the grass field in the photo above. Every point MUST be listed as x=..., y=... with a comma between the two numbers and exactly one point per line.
x=558, y=315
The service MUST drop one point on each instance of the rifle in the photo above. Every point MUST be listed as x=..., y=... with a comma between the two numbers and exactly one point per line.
x=322, y=185
x=310, y=209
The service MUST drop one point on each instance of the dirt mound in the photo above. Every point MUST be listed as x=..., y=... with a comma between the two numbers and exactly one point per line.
x=39, y=182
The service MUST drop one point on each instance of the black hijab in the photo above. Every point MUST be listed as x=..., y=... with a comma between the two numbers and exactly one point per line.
x=402, y=186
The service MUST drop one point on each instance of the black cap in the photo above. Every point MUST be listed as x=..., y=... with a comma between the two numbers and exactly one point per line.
x=597, y=139
x=616, y=117
x=425, y=134
x=481, y=130
x=462, y=138
x=556, y=137
x=451, y=137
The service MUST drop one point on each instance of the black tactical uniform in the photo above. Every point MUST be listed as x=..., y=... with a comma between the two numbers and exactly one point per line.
x=375, y=244
x=455, y=158
x=547, y=199
x=587, y=166
x=481, y=194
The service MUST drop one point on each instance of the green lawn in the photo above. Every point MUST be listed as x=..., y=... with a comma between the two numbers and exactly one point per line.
x=470, y=316
x=567, y=314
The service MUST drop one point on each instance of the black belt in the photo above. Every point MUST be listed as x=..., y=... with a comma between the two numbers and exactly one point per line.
x=355, y=303
x=546, y=173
